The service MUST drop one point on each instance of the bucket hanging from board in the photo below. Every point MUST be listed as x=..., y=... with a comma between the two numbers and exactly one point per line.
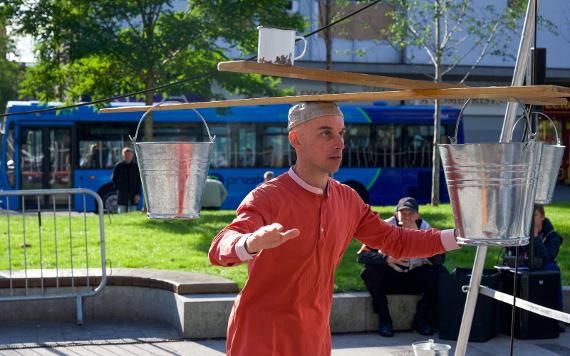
x=173, y=174
x=492, y=187
x=549, y=167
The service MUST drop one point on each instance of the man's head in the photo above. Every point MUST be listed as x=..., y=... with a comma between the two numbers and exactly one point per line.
x=267, y=176
x=128, y=154
x=407, y=211
x=316, y=132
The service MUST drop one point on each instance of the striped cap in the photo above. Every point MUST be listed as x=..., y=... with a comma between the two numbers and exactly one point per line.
x=303, y=112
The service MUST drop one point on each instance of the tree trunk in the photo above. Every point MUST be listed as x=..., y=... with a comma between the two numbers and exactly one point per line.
x=326, y=15
x=435, y=156
x=3, y=39
x=148, y=100
x=436, y=110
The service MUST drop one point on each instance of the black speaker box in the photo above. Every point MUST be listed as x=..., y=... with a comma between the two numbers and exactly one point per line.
x=539, y=287
x=452, y=301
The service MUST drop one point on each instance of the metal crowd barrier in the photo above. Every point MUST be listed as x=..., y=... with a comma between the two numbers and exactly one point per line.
x=44, y=250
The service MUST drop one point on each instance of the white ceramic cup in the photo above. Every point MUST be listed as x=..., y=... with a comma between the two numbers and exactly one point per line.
x=277, y=46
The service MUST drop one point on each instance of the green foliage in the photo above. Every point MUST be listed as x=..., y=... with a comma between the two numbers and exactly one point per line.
x=10, y=72
x=9, y=77
x=133, y=241
x=109, y=47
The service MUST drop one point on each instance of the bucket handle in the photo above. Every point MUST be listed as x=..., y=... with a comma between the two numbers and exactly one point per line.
x=134, y=140
x=551, y=124
x=526, y=115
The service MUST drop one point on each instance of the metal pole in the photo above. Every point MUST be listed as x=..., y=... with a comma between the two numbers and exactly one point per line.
x=471, y=301
x=506, y=136
x=520, y=70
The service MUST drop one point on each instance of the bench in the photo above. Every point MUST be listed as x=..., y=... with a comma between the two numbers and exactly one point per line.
x=197, y=305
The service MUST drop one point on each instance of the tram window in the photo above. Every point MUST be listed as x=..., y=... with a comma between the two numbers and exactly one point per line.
x=275, y=149
x=221, y=155
x=417, y=141
x=184, y=132
x=386, y=149
x=10, y=157
x=357, y=151
x=100, y=144
x=242, y=145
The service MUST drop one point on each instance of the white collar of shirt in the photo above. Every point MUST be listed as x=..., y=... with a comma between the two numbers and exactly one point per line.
x=304, y=184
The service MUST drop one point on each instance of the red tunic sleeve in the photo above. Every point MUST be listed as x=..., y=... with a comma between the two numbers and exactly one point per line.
x=396, y=241
x=249, y=218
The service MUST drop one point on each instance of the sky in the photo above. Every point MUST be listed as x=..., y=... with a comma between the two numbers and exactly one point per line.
x=24, y=50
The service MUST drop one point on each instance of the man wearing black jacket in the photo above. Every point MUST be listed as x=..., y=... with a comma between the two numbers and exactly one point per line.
x=385, y=275
x=126, y=182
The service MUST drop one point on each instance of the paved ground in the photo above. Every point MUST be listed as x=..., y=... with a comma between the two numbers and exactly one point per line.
x=150, y=338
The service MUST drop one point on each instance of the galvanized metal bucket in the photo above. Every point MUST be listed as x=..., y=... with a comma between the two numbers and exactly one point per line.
x=549, y=166
x=173, y=174
x=492, y=188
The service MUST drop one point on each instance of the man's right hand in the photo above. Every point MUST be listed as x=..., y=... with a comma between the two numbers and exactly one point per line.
x=269, y=236
x=400, y=265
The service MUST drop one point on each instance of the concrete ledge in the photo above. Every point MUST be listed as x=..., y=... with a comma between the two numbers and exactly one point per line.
x=206, y=315
x=353, y=312
x=175, y=281
x=140, y=294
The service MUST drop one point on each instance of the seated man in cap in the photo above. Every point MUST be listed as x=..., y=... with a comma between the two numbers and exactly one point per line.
x=292, y=232
x=384, y=274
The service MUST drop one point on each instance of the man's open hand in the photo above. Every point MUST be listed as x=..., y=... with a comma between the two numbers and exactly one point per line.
x=269, y=236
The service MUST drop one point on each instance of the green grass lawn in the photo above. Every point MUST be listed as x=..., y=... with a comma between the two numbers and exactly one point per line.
x=133, y=241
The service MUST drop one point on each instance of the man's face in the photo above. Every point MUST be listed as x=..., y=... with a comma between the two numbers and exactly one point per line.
x=319, y=143
x=128, y=156
x=407, y=217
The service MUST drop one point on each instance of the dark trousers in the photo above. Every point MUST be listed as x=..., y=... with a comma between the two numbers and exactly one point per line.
x=382, y=280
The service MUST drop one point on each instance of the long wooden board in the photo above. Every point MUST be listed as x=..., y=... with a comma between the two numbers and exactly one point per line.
x=537, y=94
x=332, y=76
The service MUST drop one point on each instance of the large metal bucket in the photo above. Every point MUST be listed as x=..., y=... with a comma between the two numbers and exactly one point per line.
x=492, y=188
x=173, y=175
x=549, y=167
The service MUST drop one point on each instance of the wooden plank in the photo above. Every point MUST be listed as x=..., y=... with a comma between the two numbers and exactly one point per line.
x=546, y=101
x=542, y=93
x=332, y=76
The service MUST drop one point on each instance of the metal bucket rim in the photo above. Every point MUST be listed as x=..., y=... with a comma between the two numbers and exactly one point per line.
x=491, y=143
x=134, y=139
x=541, y=114
x=526, y=115
x=174, y=143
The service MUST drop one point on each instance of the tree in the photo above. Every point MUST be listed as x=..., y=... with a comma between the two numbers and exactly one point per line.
x=329, y=11
x=108, y=47
x=9, y=70
x=449, y=31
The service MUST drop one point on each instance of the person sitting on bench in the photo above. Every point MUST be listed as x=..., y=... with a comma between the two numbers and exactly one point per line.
x=383, y=275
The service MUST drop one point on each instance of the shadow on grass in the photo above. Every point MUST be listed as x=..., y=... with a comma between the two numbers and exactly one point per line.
x=210, y=221
x=197, y=232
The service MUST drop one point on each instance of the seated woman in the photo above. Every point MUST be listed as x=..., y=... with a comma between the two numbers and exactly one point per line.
x=545, y=244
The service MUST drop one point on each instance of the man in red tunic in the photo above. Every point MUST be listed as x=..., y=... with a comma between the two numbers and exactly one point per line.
x=292, y=232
